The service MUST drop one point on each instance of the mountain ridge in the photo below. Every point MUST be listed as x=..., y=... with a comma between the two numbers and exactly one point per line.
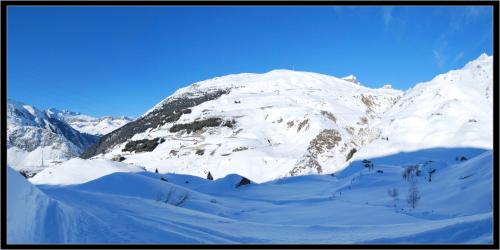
x=287, y=122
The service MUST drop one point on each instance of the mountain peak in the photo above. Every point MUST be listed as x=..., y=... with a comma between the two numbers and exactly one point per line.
x=387, y=86
x=484, y=56
x=351, y=78
x=483, y=59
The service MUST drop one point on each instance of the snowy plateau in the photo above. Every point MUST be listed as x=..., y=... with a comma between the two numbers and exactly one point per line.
x=281, y=157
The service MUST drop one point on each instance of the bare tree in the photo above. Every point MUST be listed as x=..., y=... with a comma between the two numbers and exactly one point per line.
x=410, y=172
x=413, y=195
x=393, y=193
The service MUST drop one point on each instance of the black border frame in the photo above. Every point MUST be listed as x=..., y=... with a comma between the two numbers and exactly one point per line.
x=5, y=4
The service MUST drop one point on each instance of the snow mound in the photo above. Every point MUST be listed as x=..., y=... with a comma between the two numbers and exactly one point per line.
x=76, y=171
x=23, y=206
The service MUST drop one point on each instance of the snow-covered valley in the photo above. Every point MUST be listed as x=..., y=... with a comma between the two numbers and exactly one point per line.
x=295, y=157
x=351, y=207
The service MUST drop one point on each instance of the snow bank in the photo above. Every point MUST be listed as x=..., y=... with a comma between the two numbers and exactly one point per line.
x=76, y=171
x=24, y=201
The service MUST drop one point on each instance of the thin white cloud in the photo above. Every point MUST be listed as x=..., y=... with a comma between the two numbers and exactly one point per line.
x=439, y=58
x=440, y=50
x=471, y=13
x=458, y=56
x=466, y=16
x=337, y=9
x=387, y=15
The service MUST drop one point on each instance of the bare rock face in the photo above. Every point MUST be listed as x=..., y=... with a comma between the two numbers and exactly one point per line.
x=308, y=165
x=368, y=101
x=329, y=115
x=210, y=177
x=118, y=158
x=199, y=125
x=324, y=141
x=143, y=145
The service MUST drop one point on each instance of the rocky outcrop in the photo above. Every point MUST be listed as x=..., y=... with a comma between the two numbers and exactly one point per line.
x=199, y=125
x=143, y=145
x=326, y=140
x=169, y=111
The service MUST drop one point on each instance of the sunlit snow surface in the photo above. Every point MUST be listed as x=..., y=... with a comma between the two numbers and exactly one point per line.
x=452, y=110
x=351, y=207
x=444, y=126
x=269, y=110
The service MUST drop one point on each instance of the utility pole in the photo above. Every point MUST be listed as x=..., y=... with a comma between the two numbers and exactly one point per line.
x=42, y=153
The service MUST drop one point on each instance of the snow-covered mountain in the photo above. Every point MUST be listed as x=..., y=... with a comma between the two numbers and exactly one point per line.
x=421, y=171
x=36, y=138
x=454, y=109
x=262, y=126
x=89, y=124
x=33, y=135
x=287, y=123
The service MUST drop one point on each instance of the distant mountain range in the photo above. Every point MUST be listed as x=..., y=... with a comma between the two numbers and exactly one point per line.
x=50, y=136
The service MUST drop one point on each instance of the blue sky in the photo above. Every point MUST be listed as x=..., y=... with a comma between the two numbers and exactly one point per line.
x=123, y=60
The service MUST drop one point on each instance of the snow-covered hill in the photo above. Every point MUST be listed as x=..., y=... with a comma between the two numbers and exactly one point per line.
x=263, y=126
x=454, y=109
x=354, y=206
x=288, y=123
x=88, y=124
